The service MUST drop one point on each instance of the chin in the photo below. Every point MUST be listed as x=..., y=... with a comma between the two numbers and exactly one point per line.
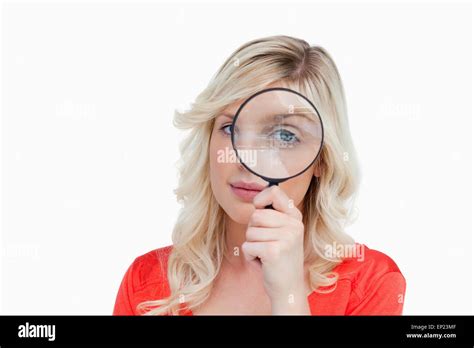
x=240, y=212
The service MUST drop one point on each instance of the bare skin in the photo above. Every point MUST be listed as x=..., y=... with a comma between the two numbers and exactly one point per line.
x=239, y=290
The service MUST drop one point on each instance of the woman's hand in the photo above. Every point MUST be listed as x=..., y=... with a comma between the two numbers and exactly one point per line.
x=274, y=242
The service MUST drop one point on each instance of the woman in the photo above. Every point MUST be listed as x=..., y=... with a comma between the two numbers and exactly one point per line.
x=230, y=255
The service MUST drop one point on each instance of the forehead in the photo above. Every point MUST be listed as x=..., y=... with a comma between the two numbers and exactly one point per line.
x=231, y=109
x=271, y=102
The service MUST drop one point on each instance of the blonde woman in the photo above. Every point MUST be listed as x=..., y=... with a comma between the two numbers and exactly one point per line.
x=232, y=256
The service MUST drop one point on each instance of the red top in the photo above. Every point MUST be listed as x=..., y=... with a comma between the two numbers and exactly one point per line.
x=372, y=285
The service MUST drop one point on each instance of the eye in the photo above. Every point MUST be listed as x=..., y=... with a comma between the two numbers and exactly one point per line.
x=226, y=129
x=286, y=137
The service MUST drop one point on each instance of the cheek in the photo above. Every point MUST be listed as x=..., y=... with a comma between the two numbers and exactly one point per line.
x=220, y=170
x=297, y=187
x=217, y=170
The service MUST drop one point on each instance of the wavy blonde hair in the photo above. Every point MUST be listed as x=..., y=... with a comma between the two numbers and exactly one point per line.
x=199, y=234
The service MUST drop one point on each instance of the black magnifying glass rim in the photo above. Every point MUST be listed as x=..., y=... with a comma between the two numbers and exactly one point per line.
x=274, y=181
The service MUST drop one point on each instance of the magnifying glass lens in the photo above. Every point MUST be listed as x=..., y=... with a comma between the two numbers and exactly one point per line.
x=277, y=134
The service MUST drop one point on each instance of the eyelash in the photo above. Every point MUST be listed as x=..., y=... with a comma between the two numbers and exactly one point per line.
x=224, y=126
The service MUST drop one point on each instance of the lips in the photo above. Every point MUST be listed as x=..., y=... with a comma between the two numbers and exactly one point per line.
x=246, y=191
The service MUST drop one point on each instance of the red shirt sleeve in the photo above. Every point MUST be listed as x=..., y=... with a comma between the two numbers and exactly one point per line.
x=369, y=283
x=384, y=296
x=144, y=280
x=123, y=303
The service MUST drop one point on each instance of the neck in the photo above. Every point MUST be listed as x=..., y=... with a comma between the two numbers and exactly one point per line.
x=235, y=237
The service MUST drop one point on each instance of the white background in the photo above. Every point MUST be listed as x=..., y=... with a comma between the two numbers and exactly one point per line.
x=88, y=146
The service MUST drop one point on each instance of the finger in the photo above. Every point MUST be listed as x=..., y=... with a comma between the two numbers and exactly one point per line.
x=275, y=196
x=268, y=218
x=250, y=257
x=263, y=250
x=250, y=253
x=261, y=234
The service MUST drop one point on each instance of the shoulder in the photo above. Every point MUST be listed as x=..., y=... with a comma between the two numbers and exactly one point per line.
x=367, y=268
x=151, y=267
x=145, y=279
x=359, y=259
x=377, y=286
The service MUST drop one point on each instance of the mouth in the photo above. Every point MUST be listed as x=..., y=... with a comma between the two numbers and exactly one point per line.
x=246, y=191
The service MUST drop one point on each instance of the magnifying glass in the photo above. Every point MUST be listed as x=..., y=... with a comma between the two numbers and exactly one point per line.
x=277, y=134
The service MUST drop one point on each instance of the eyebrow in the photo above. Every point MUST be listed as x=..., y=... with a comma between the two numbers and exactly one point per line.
x=231, y=116
x=283, y=116
x=297, y=114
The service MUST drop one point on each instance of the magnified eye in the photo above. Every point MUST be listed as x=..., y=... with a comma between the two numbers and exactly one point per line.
x=285, y=137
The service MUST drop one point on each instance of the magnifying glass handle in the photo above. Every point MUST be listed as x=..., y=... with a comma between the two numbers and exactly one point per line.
x=270, y=206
